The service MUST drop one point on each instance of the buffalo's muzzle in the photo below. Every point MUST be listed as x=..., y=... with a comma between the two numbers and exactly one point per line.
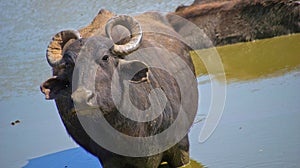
x=84, y=97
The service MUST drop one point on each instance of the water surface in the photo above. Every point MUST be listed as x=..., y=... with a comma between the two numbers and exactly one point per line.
x=245, y=62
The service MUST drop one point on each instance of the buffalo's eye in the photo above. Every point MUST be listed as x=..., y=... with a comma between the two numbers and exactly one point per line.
x=105, y=57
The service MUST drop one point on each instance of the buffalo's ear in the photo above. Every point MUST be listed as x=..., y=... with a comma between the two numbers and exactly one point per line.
x=54, y=87
x=134, y=70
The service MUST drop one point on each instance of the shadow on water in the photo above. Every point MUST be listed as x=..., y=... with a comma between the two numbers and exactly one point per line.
x=78, y=158
x=75, y=158
x=255, y=60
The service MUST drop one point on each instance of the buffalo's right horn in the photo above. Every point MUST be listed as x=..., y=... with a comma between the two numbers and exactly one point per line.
x=135, y=31
x=55, y=49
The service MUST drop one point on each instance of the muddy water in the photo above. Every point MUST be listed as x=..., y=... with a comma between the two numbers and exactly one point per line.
x=246, y=62
x=259, y=126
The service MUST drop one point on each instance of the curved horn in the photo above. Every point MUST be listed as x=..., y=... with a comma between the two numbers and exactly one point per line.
x=55, y=49
x=135, y=30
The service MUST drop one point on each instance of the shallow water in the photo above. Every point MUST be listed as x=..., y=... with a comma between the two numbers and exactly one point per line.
x=259, y=126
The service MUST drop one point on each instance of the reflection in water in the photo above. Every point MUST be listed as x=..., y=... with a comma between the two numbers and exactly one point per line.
x=193, y=164
x=257, y=59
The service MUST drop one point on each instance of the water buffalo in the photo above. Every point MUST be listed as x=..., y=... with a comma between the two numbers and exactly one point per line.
x=135, y=64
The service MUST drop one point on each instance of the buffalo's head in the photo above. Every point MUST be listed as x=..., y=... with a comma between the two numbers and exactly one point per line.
x=76, y=61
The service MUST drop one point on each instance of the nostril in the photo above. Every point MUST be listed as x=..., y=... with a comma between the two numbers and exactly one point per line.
x=83, y=96
x=90, y=98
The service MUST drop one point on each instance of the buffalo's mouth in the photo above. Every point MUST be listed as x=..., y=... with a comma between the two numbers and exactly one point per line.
x=54, y=87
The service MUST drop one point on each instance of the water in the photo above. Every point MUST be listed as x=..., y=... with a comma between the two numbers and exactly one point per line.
x=259, y=126
x=260, y=122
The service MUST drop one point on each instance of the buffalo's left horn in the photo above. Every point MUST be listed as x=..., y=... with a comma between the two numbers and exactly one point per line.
x=135, y=31
x=56, y=47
